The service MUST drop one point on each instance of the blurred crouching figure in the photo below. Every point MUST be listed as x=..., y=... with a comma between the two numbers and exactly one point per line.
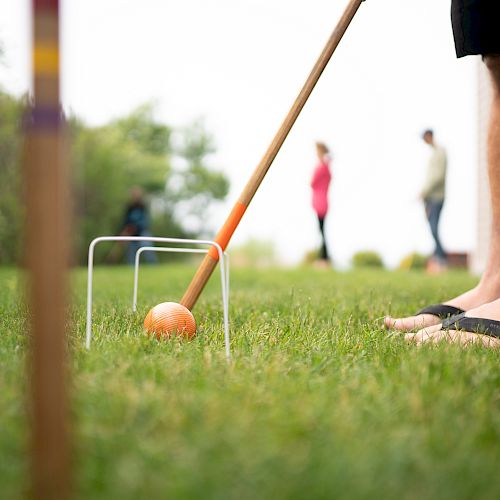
x=136, y=223
x=433, y=197
x=320, y=183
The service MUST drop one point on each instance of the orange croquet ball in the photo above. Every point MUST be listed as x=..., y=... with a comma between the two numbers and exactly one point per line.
x=169, y=318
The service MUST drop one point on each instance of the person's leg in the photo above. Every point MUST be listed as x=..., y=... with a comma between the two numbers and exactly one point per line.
x=492, y=273
x=435, y=208
x=149, y=257
x=428, y=213
x=323, y=251
x=132, y=248
x=488, y=289
x=431, y=212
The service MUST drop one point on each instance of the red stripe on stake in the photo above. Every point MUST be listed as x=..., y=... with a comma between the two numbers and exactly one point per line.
x=39, y=5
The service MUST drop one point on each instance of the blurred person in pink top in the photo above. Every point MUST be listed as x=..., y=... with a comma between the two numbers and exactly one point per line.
x=320, y=184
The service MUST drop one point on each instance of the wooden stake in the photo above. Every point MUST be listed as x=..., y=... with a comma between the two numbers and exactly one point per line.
x=46, y=238
x=209, y=263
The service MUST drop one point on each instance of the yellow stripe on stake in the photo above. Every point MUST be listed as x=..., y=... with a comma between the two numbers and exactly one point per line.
x=46, y=60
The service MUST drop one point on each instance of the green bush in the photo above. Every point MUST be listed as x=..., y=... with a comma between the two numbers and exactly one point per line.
x=414, y=260
x=367, y=258
x=310, y=257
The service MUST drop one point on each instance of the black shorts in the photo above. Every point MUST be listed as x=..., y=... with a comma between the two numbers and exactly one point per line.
x=476, y=26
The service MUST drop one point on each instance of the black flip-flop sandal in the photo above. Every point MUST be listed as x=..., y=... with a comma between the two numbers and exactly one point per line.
x=473, y=325
x=442, y=311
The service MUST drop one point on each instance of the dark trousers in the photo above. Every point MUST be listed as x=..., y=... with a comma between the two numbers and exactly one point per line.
x=433, y=210
x=132, y=248
x=323, y=251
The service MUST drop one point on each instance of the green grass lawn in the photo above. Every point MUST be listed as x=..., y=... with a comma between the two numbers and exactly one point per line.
x=319, y=403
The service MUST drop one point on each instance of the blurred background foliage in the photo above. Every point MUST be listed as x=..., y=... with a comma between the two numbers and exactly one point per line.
x=10, y=175
x=106, y=161
x=413, y=261
x=254, y=253
x=367, y=258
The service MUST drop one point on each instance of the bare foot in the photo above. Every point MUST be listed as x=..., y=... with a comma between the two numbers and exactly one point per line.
x=435, y=267
x=434, y=334
x=481, y=294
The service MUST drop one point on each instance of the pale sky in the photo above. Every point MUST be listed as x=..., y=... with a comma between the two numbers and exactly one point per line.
x=239, y=64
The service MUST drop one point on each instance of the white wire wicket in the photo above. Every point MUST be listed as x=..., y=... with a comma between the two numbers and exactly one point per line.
x=224, y=274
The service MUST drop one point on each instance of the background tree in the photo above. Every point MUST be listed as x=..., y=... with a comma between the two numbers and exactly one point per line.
x=192, y=187
x=135, y=150
x=10, y=178
x=108, y=161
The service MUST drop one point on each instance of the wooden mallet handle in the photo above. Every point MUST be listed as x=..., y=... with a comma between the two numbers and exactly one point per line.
x=224, y=235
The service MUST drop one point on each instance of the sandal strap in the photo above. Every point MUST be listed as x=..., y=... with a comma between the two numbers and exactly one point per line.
x=483, y=326
x=442, y=311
